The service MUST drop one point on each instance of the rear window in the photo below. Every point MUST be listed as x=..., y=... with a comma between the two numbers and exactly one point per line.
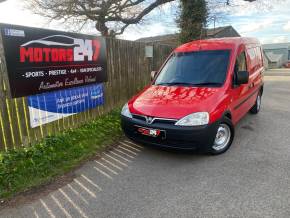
x=208, y=68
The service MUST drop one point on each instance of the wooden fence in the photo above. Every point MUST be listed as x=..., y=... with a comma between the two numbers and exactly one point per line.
x=128, y=71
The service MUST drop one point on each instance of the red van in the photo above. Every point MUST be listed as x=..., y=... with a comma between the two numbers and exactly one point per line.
x=198, y=96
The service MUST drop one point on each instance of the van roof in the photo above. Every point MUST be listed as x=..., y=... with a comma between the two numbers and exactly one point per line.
x=217, y=44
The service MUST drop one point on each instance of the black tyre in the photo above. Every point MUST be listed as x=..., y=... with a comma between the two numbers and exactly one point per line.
x=257, y=107
x=224, y=137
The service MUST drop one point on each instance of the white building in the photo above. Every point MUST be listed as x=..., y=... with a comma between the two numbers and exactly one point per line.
x=277, y=54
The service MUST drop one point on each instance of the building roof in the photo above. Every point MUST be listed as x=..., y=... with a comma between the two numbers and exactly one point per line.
x=276, y=46
x=158, y=38
x=173, y=38
x=214, y=31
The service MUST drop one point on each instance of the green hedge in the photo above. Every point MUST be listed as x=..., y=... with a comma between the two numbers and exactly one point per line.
x=31, y=166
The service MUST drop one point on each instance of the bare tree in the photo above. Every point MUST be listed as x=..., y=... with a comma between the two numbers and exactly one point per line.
x=229, y=1
x=111, y=17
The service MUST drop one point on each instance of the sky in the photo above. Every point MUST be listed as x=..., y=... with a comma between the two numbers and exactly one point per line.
x=267, y=20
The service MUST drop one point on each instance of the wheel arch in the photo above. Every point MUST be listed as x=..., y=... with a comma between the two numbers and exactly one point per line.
x=262, y=89
x=227, y=114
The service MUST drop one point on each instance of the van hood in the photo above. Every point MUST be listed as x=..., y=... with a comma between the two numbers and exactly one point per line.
x=174, y=102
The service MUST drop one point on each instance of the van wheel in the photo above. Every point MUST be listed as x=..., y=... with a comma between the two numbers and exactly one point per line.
x=224, y=137
x=257, y=107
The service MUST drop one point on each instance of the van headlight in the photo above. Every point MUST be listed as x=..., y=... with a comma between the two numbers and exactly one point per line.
x=125, y=111
x=195, y=119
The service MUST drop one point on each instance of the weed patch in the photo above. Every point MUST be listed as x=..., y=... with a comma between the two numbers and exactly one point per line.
x=24, y=168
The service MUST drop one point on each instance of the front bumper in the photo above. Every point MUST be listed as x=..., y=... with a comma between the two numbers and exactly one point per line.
x=177, y=137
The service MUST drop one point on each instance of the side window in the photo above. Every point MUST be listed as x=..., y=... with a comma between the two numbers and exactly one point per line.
x=242, y=62
x=259, y=58
x=255, y=59
x=241, y=65
x=252, y=60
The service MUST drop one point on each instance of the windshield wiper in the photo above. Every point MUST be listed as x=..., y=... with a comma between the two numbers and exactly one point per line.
x=208, y=84
x=175, y=83
x=189, y=84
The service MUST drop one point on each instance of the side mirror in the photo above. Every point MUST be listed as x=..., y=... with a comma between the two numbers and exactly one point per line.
x=242, y=77
x=153, y=74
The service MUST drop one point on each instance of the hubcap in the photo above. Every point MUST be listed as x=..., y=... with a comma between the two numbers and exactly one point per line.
x=222, y=138
x=258, y=102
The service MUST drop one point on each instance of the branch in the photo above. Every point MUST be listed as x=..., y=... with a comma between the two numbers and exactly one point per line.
x=228, y=1
x=121, y=31
x=104, y=13
x=146, y=11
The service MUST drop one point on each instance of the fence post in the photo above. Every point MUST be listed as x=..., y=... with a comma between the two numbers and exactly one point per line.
x=8, y=139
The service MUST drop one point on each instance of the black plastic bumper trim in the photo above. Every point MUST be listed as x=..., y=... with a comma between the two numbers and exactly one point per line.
x=177, y=137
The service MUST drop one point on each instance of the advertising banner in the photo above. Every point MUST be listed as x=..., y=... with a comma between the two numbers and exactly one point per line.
x=48, y=107
x=40, y=60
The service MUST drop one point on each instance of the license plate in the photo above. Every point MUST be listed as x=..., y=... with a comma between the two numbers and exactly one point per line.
x=150, y=132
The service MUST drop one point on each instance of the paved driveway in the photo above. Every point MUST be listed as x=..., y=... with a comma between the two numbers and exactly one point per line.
x=251, y=180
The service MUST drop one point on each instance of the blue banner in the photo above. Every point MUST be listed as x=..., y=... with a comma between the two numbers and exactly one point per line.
x=51, y=106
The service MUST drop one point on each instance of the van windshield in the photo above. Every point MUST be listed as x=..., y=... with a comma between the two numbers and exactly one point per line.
x=199, y=68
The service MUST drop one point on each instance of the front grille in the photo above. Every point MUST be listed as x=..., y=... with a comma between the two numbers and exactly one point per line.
x=173, y=143
x=155, y=119
x=139, y=117
x=165, y=121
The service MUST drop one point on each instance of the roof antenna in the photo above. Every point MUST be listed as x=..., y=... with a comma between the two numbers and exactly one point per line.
x=200, y=37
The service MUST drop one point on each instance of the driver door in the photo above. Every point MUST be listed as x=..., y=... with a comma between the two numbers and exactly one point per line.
x=239, y=103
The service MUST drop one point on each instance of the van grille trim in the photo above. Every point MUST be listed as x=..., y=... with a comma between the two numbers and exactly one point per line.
x=151, y=120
